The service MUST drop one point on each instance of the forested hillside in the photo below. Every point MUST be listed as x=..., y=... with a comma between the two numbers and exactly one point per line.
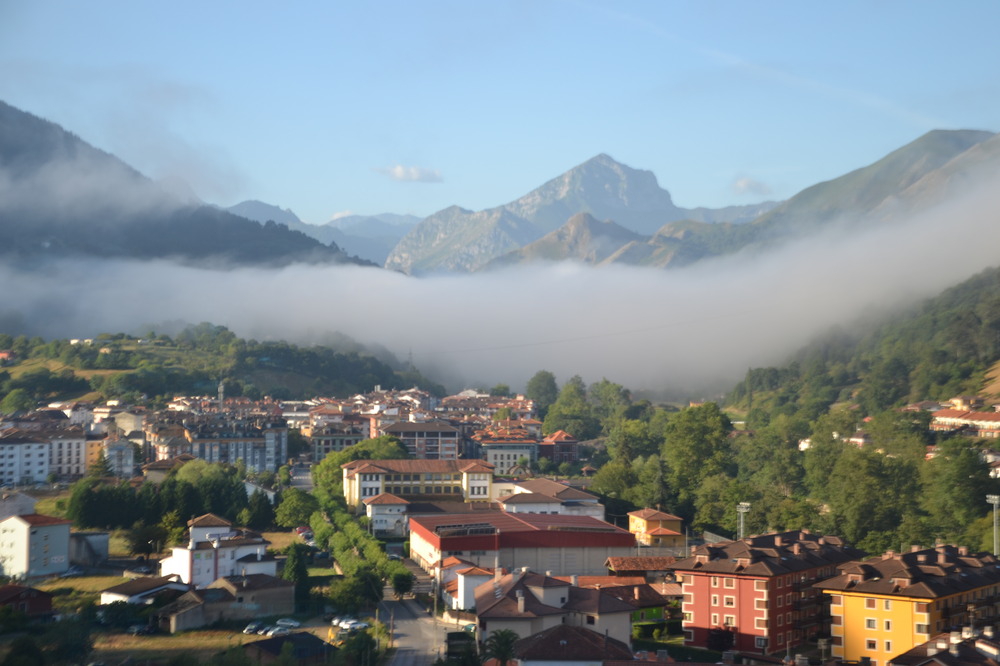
x=934, y=352
x=193, y=362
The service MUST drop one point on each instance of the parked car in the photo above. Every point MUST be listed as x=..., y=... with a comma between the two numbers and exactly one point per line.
x=141, y=629
x=253, y=627
x=288, y=622
x=278, y=631
x=357, y=626
x=264, y=629
x=345, y=622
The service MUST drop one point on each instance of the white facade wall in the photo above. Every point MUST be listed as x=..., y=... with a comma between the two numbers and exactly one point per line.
x=24, y=462
x=28, y=551
x=68, y=455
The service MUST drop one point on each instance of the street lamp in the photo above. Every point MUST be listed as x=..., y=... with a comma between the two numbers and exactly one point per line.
x=995, y=501
x=742, y=509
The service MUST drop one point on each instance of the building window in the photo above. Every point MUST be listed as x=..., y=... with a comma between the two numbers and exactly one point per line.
x=887, y=604
x=871, y=645
x=888, y=625
x=923, y=629
x=869, y=603
x=888, y=646
x=760, y=623
x=781, y=620
x=688, y=616
x=870, y=623
x=760, y=642
x=729, y=582
x=715, y=600
x=730, y=602
x=760, y=604
x=760, y=585
x=590, y=619
x=729, y=620
x=715, y=619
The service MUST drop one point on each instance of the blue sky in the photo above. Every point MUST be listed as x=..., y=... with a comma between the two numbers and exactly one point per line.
x=409, y=107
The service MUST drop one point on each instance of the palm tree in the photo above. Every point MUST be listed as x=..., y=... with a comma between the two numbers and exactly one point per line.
x=500, y=646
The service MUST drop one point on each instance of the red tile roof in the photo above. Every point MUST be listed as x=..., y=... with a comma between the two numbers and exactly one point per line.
x=385, y=498
x=39, y=520
x=653, y=514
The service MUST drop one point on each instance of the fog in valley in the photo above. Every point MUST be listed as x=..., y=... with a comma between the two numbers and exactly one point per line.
x=690, y=331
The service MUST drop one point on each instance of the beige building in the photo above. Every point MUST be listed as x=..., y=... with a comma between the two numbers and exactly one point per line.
x=428, y=480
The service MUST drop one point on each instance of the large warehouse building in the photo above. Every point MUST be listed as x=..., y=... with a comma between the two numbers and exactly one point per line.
x=561, y=545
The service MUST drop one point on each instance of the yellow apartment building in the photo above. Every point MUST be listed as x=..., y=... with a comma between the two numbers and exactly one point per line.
x=884, y=606
x=656, y=528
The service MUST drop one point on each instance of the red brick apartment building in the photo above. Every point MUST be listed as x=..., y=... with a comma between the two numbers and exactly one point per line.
x=754, y=595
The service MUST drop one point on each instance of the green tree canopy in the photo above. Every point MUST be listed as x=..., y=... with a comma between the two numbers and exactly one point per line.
x=542, y=388
x=296, y=507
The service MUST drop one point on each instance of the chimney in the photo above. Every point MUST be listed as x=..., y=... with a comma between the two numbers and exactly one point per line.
x=967, y=633
x=955, y=637
x=635, y=592
x=574, y=580
x=520, y=601
x=778, y=541
x=260, y=553
x=988, y=631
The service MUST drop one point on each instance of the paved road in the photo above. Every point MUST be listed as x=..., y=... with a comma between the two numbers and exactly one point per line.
x=418, y=638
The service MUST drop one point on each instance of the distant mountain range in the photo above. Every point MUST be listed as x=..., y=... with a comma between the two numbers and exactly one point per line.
x=460, y=239
x=369, y=237
x=603, y=212
x=61, y=197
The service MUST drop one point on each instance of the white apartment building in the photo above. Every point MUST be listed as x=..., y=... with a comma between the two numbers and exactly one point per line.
x=33, y=545
x=24, y=457
x=215, y=550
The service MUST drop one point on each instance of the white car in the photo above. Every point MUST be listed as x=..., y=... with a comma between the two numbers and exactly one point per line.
x=278, y=631
x=288, y=622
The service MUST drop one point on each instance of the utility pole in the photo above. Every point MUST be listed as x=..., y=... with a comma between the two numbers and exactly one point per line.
x=995, y=501
x=742, y=509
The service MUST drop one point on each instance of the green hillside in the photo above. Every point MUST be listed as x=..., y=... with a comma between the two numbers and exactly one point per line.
x=945, y=347
x=191, y=363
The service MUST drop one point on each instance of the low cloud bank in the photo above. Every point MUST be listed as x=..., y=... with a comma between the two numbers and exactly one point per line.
x=683, y=331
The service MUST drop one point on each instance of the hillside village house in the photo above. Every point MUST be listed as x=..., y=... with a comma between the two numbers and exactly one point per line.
x=652, y=527
x=455, y=480
x=560, y=545
x=528, y=603
x=559, y=447
x=33, y=545
x=756, y=594
x=215, y=550
x=884, y=606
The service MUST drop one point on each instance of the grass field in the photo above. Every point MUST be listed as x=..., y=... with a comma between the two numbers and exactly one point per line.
x=202, y=644
x=280, y=540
